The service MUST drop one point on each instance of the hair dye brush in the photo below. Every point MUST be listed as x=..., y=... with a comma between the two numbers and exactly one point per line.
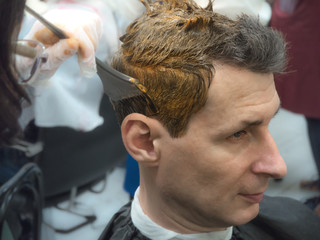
x=116, y=85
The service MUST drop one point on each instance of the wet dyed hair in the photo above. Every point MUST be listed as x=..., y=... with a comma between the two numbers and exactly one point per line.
x=171, y=49
x=11, y=93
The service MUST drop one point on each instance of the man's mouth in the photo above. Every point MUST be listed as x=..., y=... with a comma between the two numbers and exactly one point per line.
x=253, y=198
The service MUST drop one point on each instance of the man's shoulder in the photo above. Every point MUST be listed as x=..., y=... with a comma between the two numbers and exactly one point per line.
x=279, y=218
x=121, y=227
x=283, y=218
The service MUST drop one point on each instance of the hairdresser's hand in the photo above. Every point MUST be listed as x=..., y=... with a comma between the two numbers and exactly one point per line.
x=84, y=30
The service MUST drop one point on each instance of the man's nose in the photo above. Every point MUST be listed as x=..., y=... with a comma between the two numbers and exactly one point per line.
x=268, y=158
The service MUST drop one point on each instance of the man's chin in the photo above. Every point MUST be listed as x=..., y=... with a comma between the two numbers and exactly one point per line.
x=245, y=215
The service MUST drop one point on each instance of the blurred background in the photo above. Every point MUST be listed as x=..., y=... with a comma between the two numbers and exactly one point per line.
x=74, y=138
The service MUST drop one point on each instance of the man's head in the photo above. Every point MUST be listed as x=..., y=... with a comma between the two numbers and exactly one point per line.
x=172, y=48
x=206, y=155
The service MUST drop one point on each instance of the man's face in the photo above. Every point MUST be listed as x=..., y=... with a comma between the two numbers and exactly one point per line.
x=215, y=175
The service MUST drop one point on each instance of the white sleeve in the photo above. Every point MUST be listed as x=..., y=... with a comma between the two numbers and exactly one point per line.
x=234, y=8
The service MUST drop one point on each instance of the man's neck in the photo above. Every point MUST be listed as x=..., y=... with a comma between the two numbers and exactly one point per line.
x=154, y=231
x=169, y=218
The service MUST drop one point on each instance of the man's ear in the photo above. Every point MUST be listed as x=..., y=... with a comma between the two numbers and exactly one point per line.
x=139, y=134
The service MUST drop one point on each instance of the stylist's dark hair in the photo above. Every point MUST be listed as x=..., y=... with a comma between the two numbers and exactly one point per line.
x=11, y=93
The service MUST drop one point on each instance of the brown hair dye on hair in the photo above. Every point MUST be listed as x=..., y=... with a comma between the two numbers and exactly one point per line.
x=171, y=50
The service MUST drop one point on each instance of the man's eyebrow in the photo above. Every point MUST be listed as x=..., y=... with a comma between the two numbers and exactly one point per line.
x=246, y=123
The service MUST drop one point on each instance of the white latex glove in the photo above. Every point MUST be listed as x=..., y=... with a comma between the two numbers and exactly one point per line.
x=84, y=30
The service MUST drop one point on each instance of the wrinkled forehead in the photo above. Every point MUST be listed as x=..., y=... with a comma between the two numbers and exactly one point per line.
x=237, y=92
x=230, y=84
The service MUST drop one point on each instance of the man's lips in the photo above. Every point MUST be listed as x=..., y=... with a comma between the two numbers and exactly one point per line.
x=253, y=198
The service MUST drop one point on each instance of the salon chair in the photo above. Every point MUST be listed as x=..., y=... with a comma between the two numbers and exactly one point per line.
x=72, y=161
x=21, y=199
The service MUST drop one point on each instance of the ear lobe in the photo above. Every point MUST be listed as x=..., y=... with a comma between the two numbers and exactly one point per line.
x=136, y=135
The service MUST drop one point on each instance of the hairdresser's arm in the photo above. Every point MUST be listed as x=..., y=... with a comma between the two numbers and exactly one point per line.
x=84, y=30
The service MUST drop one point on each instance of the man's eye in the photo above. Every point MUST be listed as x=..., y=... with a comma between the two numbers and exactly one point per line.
x=238, y=135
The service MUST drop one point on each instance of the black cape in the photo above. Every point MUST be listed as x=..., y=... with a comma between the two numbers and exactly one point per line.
x=279, y=218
